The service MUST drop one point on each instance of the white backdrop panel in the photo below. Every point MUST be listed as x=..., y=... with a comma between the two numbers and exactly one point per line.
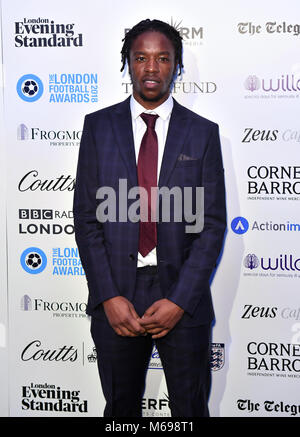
x=242, y=71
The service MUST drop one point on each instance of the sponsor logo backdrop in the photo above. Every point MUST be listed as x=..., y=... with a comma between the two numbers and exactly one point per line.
x=62, y=61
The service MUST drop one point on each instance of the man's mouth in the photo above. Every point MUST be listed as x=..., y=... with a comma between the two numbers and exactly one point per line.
x=150, y=83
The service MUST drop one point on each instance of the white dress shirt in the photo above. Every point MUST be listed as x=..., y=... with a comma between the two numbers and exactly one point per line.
x=161, y=128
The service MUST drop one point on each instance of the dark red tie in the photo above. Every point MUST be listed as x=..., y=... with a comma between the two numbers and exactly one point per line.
x=147, y=178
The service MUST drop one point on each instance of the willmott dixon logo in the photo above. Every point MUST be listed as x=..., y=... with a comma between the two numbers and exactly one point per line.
x=285, y=83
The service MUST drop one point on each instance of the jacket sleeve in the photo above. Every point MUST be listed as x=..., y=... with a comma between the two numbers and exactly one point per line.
x=88, y=230
x=195, y=273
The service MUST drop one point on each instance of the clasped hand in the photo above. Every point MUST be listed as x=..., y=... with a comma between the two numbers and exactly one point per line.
x=157, y=320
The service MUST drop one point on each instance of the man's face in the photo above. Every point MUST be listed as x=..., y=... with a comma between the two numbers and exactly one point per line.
x=152, y=67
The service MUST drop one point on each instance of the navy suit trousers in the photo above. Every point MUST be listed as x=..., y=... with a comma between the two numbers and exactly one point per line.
x=123, y=361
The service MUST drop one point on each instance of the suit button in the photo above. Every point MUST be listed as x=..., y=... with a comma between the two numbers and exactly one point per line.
x=131, y=257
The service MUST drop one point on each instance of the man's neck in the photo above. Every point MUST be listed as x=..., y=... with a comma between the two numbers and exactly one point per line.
x=149, y=104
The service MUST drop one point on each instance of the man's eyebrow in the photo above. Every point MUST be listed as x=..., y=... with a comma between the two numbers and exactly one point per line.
x=139, y=52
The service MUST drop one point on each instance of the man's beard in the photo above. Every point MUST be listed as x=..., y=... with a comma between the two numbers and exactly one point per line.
x=151, y=99
x=159, y=96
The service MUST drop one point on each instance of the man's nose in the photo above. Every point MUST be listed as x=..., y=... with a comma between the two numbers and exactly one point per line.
x=151, y=65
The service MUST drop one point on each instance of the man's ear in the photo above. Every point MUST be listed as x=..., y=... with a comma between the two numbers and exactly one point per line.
x=176, y=70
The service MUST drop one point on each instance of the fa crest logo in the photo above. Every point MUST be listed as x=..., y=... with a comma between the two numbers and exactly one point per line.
x=217, y=356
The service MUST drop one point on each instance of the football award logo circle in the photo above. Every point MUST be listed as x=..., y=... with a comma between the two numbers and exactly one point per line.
x=30, y=88
x=33, y=260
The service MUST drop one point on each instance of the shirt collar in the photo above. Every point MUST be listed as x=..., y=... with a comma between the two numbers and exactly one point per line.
x=164, y=110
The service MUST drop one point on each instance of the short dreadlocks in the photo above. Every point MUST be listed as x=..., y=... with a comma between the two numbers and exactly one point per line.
x=153, y=25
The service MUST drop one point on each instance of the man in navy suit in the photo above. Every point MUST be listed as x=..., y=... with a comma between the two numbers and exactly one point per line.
x=149, y=279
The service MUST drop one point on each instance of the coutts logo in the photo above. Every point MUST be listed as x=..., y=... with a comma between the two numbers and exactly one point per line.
x=34, y=351
x=42, y=32
x=32, y=182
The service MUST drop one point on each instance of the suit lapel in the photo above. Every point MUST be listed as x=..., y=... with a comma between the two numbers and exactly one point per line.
x=178, y=129
x=122, y=126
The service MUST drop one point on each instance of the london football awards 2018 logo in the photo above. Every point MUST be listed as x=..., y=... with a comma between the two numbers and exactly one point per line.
x=30, y=88
x=33, y=260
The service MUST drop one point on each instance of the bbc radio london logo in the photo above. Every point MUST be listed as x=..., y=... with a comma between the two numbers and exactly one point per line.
x=30, y=88
x=33, y=260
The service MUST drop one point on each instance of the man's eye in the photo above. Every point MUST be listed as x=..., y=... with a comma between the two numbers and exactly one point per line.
x=140, y=58
x=164, y=59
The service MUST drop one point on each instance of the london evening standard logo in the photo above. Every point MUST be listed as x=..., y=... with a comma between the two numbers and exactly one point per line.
x=240, y=225
x=45, y=32
x=280, y=266
x=277, y=86
x=52, y=399
x=62, y=87
x=52, y=137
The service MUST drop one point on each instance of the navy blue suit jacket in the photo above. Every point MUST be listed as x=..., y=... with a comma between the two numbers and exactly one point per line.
x=108, y=251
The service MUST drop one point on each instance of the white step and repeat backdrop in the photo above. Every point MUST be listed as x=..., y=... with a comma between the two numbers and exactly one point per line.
x=61, y=60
